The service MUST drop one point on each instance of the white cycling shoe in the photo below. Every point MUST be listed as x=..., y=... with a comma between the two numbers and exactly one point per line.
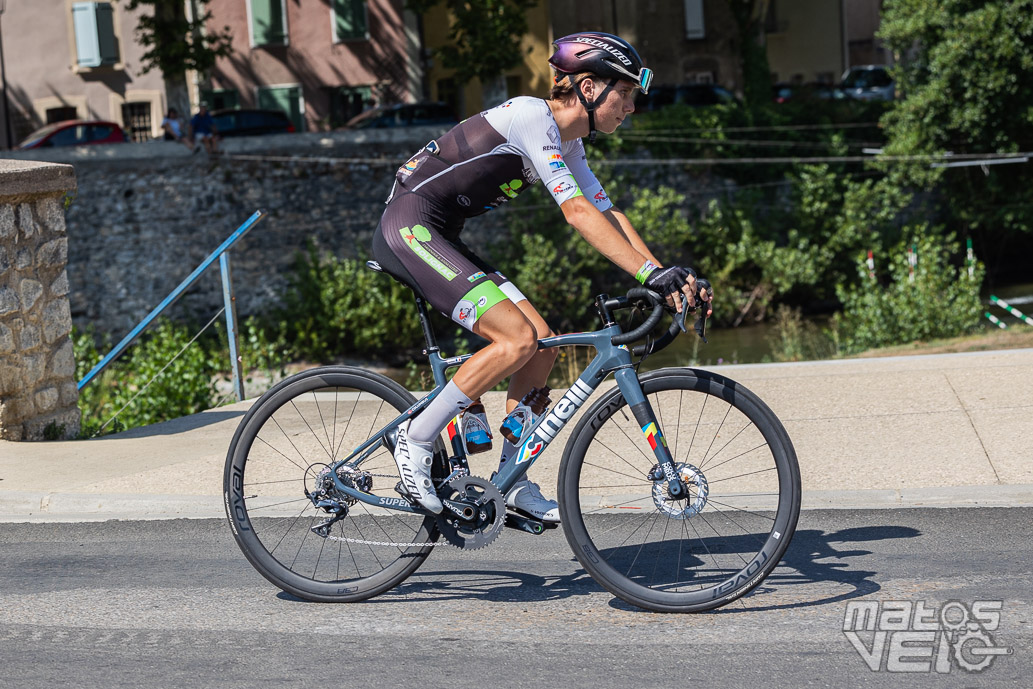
x=526, y=497
x=414, y=460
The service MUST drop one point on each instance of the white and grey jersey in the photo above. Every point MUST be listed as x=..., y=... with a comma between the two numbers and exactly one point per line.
x=494, y=156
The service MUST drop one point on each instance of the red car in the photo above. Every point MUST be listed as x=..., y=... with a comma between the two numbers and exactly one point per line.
x=75, y=133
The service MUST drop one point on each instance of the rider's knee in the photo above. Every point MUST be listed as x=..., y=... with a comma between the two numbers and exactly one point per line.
x=522, y=342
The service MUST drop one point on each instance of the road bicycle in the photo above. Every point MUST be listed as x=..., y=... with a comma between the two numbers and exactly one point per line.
x=679, y=489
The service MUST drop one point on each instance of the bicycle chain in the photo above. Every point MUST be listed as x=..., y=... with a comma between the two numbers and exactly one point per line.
x=362, y=541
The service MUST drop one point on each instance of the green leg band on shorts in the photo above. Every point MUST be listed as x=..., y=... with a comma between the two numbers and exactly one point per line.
x=475, y=302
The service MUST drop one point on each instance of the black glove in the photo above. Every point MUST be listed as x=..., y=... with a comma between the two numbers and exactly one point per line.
x=664, y=281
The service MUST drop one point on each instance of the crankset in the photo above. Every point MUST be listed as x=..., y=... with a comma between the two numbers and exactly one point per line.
x=474, y=512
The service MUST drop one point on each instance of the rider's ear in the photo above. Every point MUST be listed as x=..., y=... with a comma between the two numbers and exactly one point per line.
x=587, y=86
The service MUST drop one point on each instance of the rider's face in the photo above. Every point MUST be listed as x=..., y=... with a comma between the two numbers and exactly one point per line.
x=618, y=104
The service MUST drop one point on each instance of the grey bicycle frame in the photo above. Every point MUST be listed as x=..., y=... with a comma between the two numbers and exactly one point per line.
x=608, y=358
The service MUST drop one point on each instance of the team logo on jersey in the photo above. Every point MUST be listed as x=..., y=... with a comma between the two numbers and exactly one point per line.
x=476, y=276
x=600, y=196
x=530, y=175
x=463, y=200
x=409, y=167
x=554, y=135
x=510, y=188
x=465, y=313
x=563, y=187
x=551, y=147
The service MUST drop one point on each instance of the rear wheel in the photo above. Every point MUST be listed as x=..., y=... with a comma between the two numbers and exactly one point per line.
x=695, y=553
x=281, y=448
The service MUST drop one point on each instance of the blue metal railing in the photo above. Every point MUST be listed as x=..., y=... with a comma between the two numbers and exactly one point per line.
x=228, y=299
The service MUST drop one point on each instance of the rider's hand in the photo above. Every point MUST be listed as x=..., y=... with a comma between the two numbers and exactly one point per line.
x=668, y=282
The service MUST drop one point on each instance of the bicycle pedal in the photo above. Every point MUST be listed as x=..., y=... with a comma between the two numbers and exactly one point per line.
x=531, y=526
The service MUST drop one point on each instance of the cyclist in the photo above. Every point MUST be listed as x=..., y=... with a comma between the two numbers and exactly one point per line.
x=479, y=164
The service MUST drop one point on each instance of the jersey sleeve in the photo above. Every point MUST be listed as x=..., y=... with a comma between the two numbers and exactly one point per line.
x=577, y=163
x=534, y=132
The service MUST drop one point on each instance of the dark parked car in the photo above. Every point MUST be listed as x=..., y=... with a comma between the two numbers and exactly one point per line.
x=251, y=122
x=868, y=82
x=404, y=115
x=75, y=133
x=686, y=94
x=813, y=91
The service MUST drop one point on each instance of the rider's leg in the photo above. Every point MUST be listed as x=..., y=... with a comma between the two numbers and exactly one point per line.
x=535, y=373
x=512, y=343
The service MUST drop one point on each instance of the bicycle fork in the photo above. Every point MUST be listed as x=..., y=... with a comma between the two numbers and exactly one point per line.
x=631, y=388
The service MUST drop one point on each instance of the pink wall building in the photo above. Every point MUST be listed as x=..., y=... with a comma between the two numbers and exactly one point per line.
x=321, y=62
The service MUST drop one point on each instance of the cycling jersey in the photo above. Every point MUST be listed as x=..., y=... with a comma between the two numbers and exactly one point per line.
x=476, y=166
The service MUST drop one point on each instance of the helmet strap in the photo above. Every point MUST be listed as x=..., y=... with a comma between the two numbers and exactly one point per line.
x=590, y=106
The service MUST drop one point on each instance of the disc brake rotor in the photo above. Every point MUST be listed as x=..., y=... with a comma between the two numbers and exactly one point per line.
x=689, y=506
x=474, y=512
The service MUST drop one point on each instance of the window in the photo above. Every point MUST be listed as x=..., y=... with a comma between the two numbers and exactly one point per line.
x=61, y=114
x=513, y=85
x=268, y=22
x=350, y=20
x=448, y=93
x=220, y=99
x=694, y=29
x=95, y=42
x=346, y=102
x=136, y=120
x=286, y=98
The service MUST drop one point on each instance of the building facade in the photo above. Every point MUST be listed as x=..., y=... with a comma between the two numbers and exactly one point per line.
x=320, y=62
x=68, y=59
x=531, y=76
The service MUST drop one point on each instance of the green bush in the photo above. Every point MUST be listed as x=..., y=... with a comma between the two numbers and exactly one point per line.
x=176, y=379
x=337, y=308
x=942, y=301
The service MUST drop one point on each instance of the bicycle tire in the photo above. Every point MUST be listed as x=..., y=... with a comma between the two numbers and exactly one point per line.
x=750, y=488
x=314, y=418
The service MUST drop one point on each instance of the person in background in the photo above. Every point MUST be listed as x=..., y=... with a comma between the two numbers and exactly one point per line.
x=202, y=126
x=173, y=129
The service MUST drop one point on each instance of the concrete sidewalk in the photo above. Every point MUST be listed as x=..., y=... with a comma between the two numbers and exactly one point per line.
x=935, y=430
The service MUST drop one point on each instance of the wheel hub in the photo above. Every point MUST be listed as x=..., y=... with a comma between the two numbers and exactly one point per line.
x=689, y=504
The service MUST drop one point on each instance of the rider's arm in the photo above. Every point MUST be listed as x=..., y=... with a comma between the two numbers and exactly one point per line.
x=606, y=237
x=621, y=222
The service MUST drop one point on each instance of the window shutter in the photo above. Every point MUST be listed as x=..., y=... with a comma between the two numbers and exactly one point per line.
x=95, y=43
x=694, y=29
x=267, y=26
x=349, y=19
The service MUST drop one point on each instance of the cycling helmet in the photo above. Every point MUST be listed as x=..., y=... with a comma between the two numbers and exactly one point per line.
x=604, y=55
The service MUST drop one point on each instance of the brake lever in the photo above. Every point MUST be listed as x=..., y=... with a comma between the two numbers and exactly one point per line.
x=701, y=321
x=679, y=316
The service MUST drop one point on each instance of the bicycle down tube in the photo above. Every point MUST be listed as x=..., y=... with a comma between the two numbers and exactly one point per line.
x=608, y=358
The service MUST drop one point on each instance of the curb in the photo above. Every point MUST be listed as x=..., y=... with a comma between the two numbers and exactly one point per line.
x=37, y=507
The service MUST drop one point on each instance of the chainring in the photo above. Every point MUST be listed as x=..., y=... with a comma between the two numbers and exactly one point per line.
x=489, y=512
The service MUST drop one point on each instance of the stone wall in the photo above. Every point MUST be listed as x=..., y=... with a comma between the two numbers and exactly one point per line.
x=145, y=215
x=38, y=394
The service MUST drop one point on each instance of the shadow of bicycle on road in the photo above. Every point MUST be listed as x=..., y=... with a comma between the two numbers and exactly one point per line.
x=819, y=568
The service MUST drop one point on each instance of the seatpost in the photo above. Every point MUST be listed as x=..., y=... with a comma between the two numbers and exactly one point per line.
x=428, y=334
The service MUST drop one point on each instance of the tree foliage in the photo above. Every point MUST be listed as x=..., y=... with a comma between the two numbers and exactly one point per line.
x=173, y=42
x=484, y=38
x=963, y=73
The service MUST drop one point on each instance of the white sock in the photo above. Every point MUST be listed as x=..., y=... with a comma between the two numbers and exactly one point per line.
x=426, y=427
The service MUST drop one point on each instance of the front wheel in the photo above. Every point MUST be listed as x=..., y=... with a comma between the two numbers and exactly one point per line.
x=701, y=551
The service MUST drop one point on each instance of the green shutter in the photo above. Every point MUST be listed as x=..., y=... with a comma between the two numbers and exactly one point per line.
x=287, y=98
x=267, y=26
x=350, y=18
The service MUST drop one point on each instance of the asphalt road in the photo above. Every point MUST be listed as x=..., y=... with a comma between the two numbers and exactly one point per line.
x=175, y=604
